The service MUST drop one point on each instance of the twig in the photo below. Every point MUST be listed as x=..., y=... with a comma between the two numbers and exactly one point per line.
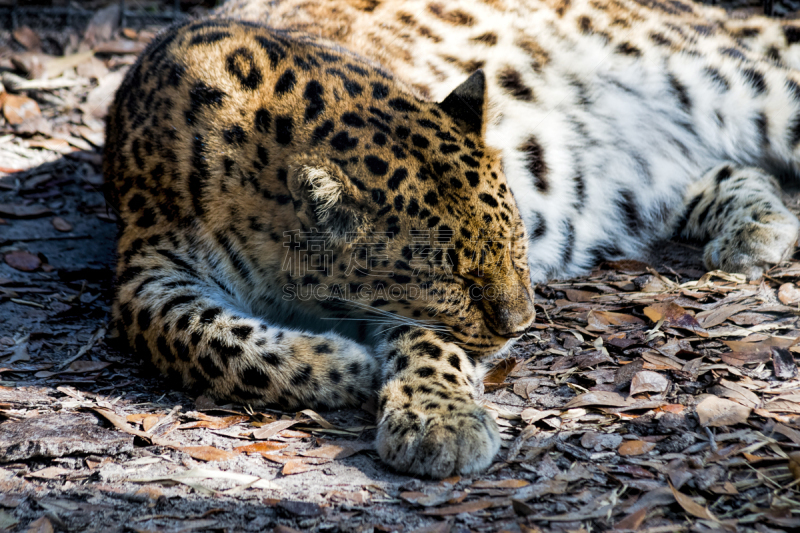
x=711, y=439
x=165, y=419
x=26, y=302
x=99, y=333
x=547, y=315
x=18, y=83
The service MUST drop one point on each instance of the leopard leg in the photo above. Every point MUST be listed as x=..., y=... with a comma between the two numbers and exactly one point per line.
x=195, y=333
x=428, y=421
x=738, y=212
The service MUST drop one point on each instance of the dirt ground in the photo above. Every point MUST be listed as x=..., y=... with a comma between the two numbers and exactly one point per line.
x=650, y=396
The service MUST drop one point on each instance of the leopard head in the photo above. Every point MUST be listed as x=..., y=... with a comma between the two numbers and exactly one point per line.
x=422, y=218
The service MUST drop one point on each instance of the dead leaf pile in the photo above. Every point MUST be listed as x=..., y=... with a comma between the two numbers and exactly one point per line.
x=675, y=388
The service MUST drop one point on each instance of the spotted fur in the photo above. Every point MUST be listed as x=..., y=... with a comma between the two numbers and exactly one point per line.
x=234, y=154
x=609, y=113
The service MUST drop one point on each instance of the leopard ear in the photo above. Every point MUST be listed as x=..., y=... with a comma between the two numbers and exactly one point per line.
x=325, y=198
x=467, y=103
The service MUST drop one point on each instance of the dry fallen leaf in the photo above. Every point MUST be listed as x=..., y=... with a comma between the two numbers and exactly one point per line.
x=718, y=315
x=635, y=447
x=541, y=488
x=500, y=484
x=674, y=315
x=261, y=447
x=149, y=422
x=791, y=434
x=18, y=109
x=285, y=529
x=122, y=424
x=628, y=266
x=51, y=472
x=11, y=500
x=574, y=295
x=601, y=320
x=597, y=398
x=648, y=381
x=736, y=392
x=60, y=224
x=526, y=386
x=29, y=39
x=40, y=525
x=93, y=136
x=469, y=507
x=783, y=406
x=300, y=509
x=624, y=374
x=213, y=422
x=297, y=466
x=789, y=294
x=24, y=211
x=31, y=64
x=137, y=418
x=760, y=347
x=496, y=377
x=590, y=358
x=273, y=428
x=101, y=96
x=577, y=516
x=431, y=499
x=56, y=145
x=725, y=488
x=207, y=453
x=599, y=441
x=21, y=260
x=316, y=417
x=674, y=408
x=338, y=451
x=521, y=508
x=56, y=66
x=740, y=359
x=794, y=465
x=692, y=507
x=120, y=46
x=531, y=415
x=632, y=521
x=716, y=412
x=80, y=367
x=292, y=434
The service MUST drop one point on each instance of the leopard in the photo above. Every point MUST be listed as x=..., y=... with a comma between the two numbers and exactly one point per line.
x=535, y=138
x=297, y=229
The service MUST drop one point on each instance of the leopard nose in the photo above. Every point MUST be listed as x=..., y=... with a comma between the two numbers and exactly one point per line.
x=513, y=322
x=508, y=312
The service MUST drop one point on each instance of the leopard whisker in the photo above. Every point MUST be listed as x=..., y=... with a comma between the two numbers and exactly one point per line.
x=394, y=317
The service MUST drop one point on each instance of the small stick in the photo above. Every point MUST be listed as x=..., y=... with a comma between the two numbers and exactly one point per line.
x=164, y=420
x=99, y=333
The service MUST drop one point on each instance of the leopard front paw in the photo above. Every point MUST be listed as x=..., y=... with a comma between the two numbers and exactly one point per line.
x=751, y=247
x=457, y=438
